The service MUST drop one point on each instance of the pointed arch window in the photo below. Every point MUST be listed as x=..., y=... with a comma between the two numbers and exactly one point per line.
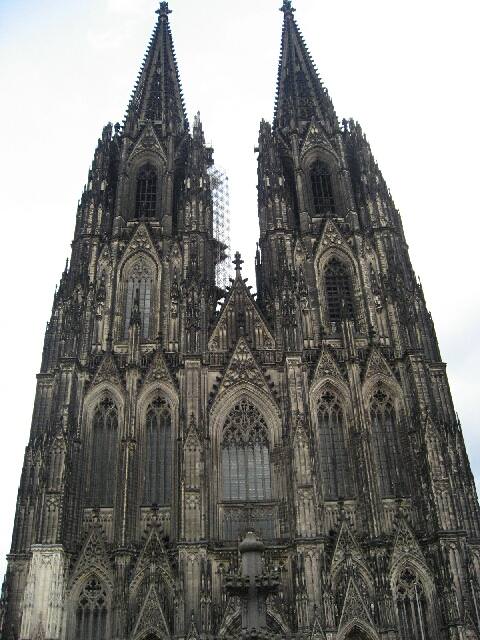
x=386, y=442
x=338, y=291
x=412, y=607
x=146, y=194
x=158, y=454
x=140, y=280
x=246, y=473
x=334, y=467
x=92, y=612
x=104, y=454
x=322, y=188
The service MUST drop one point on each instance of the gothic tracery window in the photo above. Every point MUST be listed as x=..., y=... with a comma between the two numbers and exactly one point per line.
x=334, y=467
x=139, y=284
x=158, y=454
x=91, y=613
x=411, y=606
x=385, y=439
x=104, y=454
x=146, y=194
x=338, y=291
x=246, y=467
x=322, y=188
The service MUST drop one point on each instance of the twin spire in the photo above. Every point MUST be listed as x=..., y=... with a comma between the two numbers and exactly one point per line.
x=158, y=93
x=301, y=95
x=158, y=97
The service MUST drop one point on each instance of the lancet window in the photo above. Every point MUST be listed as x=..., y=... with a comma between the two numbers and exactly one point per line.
x=92, y=612
x=334, y=467
x=146, y=194
x=246, y=471
x=104, y=454
x=338, y=291
x=412, y=607
x=322, y=188
x=386, y=442
x=158, y=454
x=139, y=285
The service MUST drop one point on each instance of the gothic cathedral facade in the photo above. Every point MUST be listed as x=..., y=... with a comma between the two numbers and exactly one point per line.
x=217, y=464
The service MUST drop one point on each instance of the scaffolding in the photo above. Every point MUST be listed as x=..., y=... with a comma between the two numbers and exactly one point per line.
x=221, y=224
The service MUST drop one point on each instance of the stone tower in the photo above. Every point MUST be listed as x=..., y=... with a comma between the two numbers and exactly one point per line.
x=312, y=422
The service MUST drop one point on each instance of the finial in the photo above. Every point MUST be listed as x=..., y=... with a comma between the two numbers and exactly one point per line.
x=287, y=7
x=238, y=263
x=163, y=10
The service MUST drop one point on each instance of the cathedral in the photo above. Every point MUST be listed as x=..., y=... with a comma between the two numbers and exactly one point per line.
x=207, y=462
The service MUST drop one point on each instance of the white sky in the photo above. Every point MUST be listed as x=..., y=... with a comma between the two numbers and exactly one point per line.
x=408, y=71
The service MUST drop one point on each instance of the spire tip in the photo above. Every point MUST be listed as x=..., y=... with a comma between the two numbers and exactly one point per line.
x=163, y=10
x=287, y=7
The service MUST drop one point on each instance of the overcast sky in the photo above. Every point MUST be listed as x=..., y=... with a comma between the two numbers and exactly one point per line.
x=407, y=70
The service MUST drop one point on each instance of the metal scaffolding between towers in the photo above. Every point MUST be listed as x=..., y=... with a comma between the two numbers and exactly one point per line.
x=221, y=224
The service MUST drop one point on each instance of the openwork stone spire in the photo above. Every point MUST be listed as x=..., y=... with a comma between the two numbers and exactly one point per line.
x=158, y=94
x=300, y=92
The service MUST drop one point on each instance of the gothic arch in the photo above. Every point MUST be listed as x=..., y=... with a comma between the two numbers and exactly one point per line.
x=411, y=564
x=268, y=411
x=135, y=164
x=98, y=393
x=343, y=254
x=227, y=400
x=139, y=270
x=363, y=630
x=320, y=155
x=99, y=587
x=332, y=446
x=153, y=393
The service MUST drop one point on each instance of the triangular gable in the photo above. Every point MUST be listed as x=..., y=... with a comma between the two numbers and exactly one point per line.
x=377, y=366
x=140, y=241
x=107, y=371
x=316, y=137
x=332, y=237
x=317, y=632
x=327, y=367
x=151, y=617
x=346, y=545
x=192, y=435
x=154, y=550
x=243, y=368
x=148, y=142
x=354, y=608
x=159, y=371
x=94, y=556
x=193, y=631
x=239, y=298
x=406, y=545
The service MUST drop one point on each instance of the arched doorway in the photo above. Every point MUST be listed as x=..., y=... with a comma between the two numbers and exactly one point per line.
x=356, y=634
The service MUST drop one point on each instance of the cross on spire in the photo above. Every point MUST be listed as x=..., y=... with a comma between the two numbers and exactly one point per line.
x=287, y=7
x=238, y=263
x=163, y=10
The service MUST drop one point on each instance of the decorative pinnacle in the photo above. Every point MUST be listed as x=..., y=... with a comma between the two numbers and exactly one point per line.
x=238, y=263
x=287, y=7
x=163, y=10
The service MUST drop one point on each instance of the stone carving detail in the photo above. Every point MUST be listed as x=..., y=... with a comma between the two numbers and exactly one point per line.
x=243, y=368
x=354, y=608
x=327, y=366
x=158, y=371
x=107, y=371
x=377, y=366
x=151, y=618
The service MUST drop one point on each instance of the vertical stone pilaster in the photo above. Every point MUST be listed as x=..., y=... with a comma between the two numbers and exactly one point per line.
x=43, y=603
